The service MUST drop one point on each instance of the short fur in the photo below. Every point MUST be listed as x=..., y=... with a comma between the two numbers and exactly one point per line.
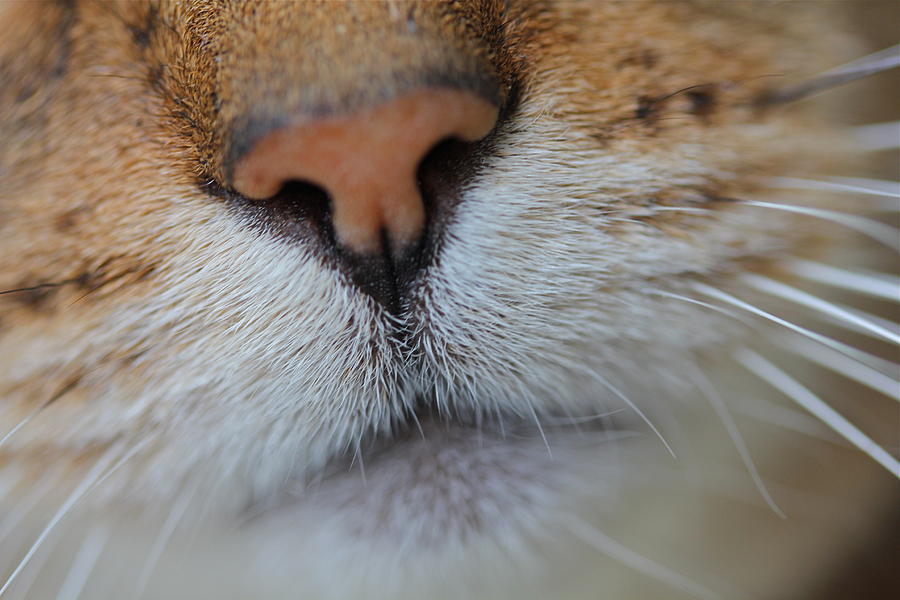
x=149, y=308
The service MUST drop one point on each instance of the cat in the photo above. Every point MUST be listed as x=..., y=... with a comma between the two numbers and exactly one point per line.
x=439, y=299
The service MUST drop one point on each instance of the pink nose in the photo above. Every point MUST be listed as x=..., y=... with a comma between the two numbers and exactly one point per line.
x=366, y=161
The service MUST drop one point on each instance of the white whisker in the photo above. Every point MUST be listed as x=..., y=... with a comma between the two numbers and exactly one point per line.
x=709, y=391
x=834, y=361
x=877, y=62
x=882, y=60
x=737, y=302
x=878, y=136
x=540, y=429
x=637, y=410
x=358, y=458
x=866, y=187
x=564, y=421
x=683, y=209
x=28, y=418
x=785, y=417
x=26, y=504
x=84, y=562
x=871, y=363
x=781, y=290
x=877, y=285
x=628, y=557
x=805, y=398
x=165, y=533
x=26, y=581
x=880, y=232
x=878, y=320
x=22, y=423
x=690, y=300
x=94, y=477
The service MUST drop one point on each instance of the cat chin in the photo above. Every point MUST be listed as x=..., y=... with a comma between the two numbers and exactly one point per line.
x=431, y=510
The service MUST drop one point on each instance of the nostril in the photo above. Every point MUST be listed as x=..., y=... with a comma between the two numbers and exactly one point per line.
x=302, y=211
x=299, y=210
x=441, y=177
x=376, y=184
x=366, y=159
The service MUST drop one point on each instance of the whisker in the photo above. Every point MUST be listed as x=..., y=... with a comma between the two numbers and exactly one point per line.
x=682, y=209
x=858, y=185
x=785, y=417
x=540, y=429
x=880, y=232
x=690, y=300
x=781, y=290
x=738, y=303
x=878, y=285
x=805, y=398
x=709, y=391
x=637, y=410
x=877, y=62
x=867, y=185
x=165, y=534
x=882, y=322
x=83, y=564
x=628, y=557
x=878, y=136
x=28, y=418
x=94, y=477
x=40, y=286
x=65, y=389
x=872, y=362
x=28, y=503
x=26, y=581
x=834, y=361
x=564, y=421
x=872, y=369
x=358, y=458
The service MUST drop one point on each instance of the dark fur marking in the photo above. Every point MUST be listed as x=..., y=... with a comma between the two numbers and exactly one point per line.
x=67, y=221
x=644, y=108
x=155, y=74
x=30, y=74
x=142, y=34
x=701, y=97
x=53, y=66
x=642, y=57
x=703, y=102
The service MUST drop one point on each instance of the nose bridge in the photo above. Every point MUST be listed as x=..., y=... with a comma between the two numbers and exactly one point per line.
x=353, y=55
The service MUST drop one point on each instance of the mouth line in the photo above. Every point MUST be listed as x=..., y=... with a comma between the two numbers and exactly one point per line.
x=500, y=427
x=459, y=474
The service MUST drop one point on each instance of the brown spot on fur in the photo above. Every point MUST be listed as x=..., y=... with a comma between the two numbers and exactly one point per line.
x=67, y=221
x=700, y=100
x=640, y=57
x=142, y=33
x=33, y=59
x=644, y=108
x=703, y=101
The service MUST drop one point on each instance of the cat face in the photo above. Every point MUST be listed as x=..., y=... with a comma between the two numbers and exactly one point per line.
x=231, y=340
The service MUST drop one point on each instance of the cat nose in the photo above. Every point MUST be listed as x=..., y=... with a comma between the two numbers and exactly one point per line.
x=366, y=160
